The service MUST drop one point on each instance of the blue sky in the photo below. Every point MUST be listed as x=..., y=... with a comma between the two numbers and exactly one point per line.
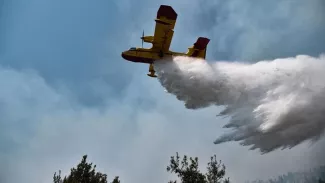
x=65, y=90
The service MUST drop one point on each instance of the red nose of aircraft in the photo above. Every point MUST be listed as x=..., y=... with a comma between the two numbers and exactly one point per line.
x=125, y=56
x=131, y=58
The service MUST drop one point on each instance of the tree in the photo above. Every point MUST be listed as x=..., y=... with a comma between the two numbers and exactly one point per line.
x=116, y=180
x=188, y=171
x=83, y=173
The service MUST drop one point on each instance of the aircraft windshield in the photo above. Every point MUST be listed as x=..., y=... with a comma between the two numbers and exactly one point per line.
x=132, y=48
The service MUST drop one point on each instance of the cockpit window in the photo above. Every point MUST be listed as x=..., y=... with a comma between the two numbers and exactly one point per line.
x=132, y=48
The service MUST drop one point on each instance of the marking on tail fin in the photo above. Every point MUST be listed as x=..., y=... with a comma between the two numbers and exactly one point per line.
x=195, y=53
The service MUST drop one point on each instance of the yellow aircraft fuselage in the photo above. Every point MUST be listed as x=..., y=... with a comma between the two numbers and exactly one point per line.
x=147, y=55
x=164, y=30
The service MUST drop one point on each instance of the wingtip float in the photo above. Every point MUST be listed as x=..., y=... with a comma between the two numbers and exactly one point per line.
x=164, y=30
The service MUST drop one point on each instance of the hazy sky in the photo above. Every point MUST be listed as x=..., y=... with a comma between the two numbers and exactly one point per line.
x=66, y=91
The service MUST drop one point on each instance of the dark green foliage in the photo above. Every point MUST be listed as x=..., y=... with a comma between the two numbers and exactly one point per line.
x=83, y=173
x=57, y=178
x=188, y=172
x=116, y=180
x=216, y=171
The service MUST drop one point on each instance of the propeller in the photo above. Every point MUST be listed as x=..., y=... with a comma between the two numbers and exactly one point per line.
x=142, y=38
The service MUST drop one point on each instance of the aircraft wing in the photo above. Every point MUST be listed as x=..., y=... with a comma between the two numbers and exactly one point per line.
x=165, y=23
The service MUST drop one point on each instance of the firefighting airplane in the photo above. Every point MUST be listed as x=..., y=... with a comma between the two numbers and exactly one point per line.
x=165, y=23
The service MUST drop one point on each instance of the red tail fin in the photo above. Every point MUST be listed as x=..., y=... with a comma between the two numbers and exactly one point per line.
x=199, y=48
x=201, y=43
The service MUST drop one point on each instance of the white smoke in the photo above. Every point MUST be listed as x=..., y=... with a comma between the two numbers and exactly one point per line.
x=271, y=104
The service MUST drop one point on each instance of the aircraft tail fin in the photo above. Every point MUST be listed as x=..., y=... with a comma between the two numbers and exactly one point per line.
x=199, y=48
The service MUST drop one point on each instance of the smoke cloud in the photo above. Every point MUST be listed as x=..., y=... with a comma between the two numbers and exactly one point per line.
x=271, y=104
